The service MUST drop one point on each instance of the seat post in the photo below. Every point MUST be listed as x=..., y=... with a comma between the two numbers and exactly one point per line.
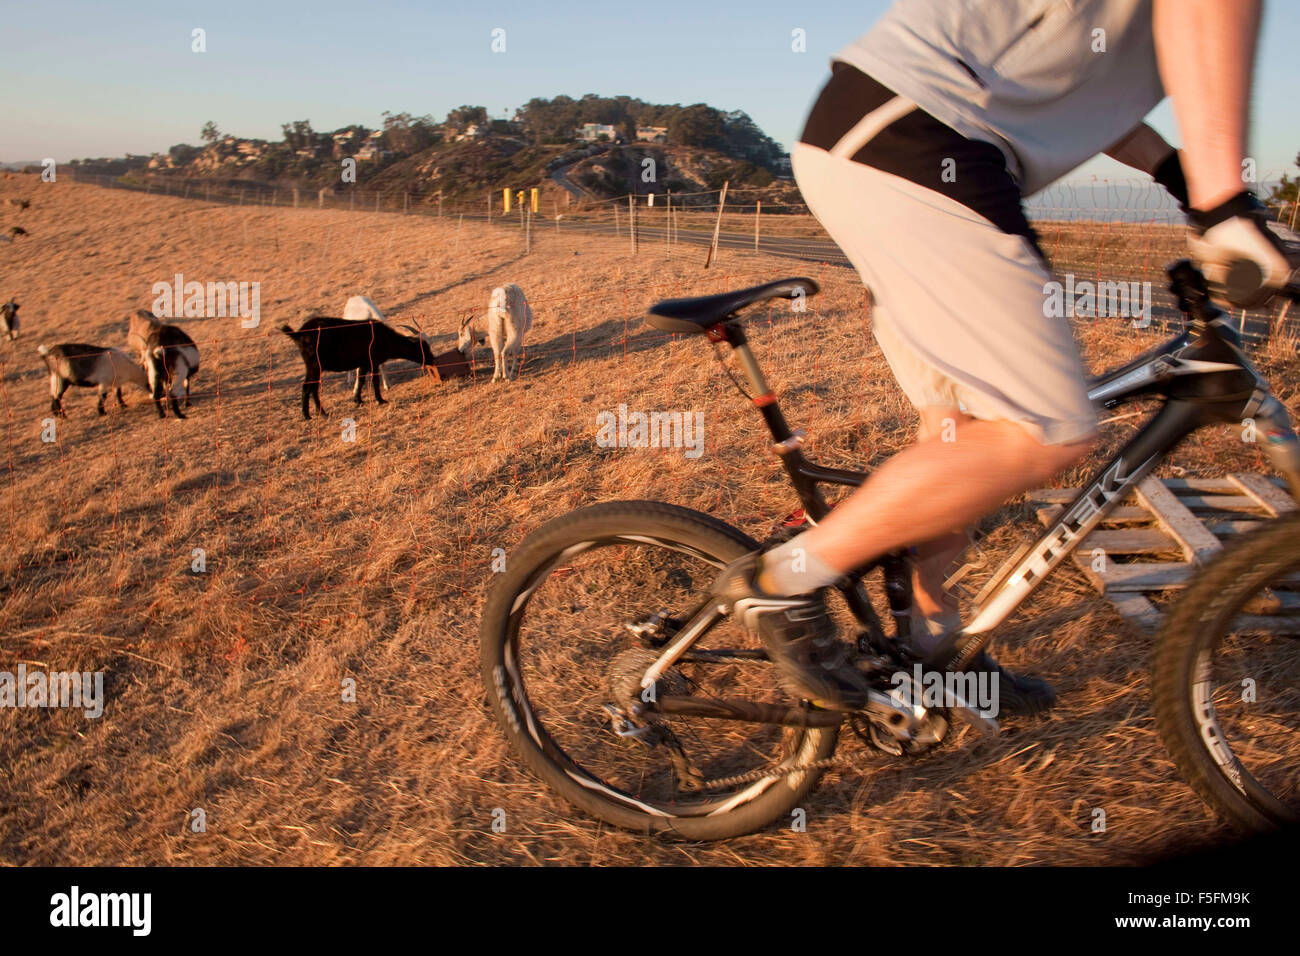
x=764, y=398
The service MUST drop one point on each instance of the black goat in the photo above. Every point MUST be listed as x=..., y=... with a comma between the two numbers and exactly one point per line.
x=339, y=345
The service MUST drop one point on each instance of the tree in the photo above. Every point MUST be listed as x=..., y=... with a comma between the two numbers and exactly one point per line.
x=298, y=134
x=1284, y=193
x=182, y=153
x=697, y=125
x=210, y=134
x=463, y=116
x=405, y=134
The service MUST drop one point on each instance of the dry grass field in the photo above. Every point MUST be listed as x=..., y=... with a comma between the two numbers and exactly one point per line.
x=369, y=559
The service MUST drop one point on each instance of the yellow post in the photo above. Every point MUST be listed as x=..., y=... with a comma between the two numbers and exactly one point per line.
x=535, y=199
x=505, y=199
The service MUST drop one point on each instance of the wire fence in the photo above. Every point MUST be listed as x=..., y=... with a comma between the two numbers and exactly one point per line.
x=1111, y=232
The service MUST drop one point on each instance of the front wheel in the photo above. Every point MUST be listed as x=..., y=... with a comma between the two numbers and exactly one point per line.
x=584, y=607
x=1227, y=679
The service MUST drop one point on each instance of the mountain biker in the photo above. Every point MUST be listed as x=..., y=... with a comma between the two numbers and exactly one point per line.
x=915, y=158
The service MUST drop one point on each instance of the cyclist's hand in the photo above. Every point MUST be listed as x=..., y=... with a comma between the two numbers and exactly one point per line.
x=1242, y=259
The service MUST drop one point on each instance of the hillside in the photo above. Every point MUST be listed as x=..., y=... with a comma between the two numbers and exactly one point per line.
x=467, y=155
x=330, y=560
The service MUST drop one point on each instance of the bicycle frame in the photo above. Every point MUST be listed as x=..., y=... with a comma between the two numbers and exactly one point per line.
x=1203, y=378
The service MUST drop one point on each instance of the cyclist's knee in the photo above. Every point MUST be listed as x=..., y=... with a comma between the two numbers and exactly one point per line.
x=1044, y=458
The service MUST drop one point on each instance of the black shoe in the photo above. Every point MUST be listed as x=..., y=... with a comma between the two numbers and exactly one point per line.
x=1018, y=694
x=799, y=636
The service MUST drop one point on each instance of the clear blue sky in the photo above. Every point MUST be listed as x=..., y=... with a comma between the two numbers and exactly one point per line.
x=91, y=79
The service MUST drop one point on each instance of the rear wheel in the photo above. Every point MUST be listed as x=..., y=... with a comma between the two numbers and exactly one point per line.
x=1227, y=679
x=583, y=609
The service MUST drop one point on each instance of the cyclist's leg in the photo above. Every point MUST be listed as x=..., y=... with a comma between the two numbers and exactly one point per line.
x=959, y=312
x=934, y=557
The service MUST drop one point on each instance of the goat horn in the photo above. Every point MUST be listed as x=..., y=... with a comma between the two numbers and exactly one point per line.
x=411, y=327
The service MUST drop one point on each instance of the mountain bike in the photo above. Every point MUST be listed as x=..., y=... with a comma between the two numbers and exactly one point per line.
x=627, y=689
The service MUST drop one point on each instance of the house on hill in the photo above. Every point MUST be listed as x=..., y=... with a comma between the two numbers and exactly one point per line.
x=346, y=143
x=591, y=132
x=652, y=134
x=372, y=149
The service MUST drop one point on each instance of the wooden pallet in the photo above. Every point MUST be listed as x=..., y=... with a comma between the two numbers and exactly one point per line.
x=1156, y=539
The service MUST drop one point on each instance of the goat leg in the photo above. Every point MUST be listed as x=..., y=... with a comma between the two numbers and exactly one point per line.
x=56, y=396
x=375, y=377
x=103, y=394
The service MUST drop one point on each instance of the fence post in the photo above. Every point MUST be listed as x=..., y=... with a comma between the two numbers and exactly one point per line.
x=489, y=207
x=618, y=231
x=631, y=220
x=528, y=234
x=668, y=224
x=295, y=197
x=377, y=200
x=406, y=203
x=460, y=221
x=717, y=226
x=758, y=210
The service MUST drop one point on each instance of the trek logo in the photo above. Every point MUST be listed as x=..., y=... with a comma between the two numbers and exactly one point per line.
x=1083, y=514
x=75, y=909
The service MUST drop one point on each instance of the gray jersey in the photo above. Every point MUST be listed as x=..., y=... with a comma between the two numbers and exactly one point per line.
x=1049, y=82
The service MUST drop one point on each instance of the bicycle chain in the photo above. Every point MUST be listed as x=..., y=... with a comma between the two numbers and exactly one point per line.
x=824, y=764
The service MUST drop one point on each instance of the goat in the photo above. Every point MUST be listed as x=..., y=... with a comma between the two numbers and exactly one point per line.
x=9, y=319
x=467, y=337
x=169, y=356
x=335, y=345
x=74, y=363
x=508, y=318
x=359, y=308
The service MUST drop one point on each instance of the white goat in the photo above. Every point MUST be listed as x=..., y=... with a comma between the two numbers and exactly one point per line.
x=468, y=337
x=360, y=308
x=508, y=318
x=74, y=363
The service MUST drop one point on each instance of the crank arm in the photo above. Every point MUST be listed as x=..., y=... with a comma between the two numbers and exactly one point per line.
x=699, y=624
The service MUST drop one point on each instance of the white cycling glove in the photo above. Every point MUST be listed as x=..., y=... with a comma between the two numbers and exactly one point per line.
x=1241, y=258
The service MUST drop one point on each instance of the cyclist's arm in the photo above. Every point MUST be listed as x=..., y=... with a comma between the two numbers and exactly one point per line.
x=1145, y=149
x=1142, y=149
x=1206, y=53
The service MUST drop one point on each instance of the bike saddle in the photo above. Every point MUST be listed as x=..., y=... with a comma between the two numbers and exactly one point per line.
x=703, y=312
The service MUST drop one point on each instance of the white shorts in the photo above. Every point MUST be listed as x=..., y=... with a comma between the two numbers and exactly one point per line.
x=958, y=305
